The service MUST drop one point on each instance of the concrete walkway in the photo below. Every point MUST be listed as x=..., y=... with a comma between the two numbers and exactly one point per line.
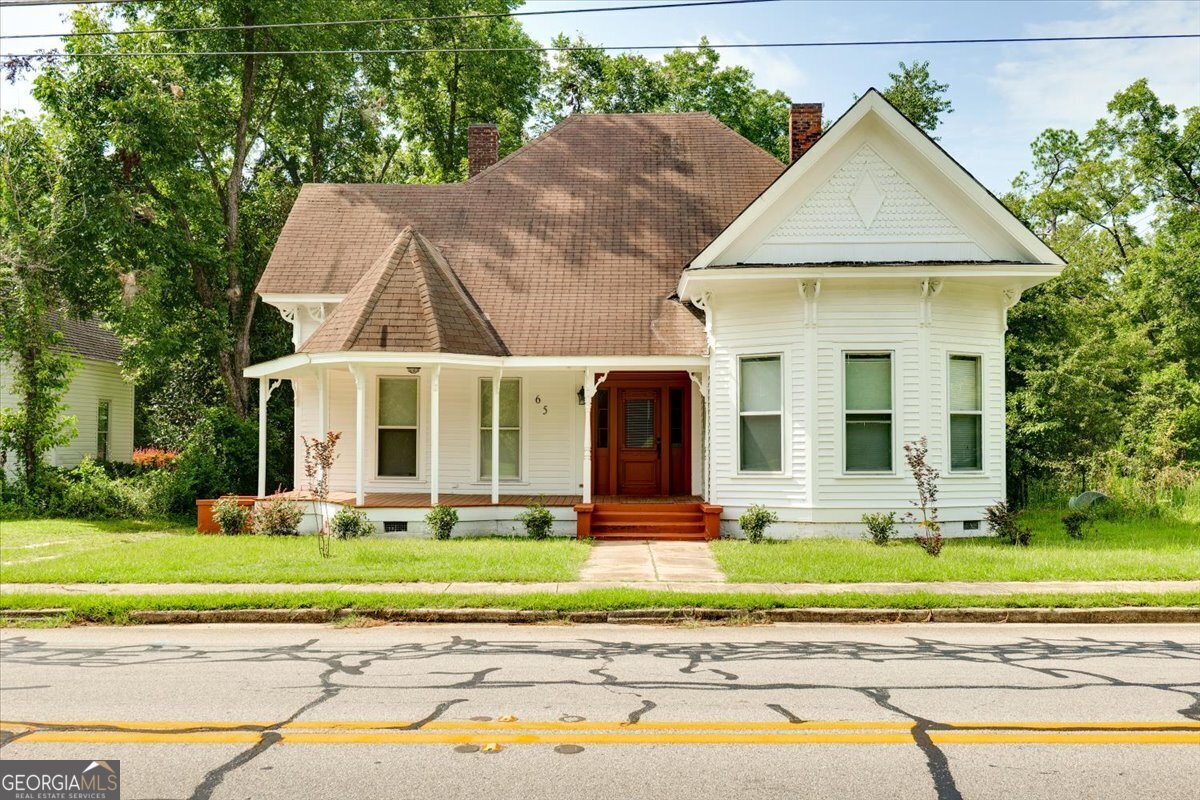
x=668, y=585
x=674, y=562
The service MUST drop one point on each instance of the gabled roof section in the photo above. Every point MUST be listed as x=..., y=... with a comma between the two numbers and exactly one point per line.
x=409, y=300
x=874, y=189
x=85, y=338
x=571, y=246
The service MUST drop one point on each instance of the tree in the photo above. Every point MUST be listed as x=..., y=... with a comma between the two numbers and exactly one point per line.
x=182, y=169
x=1104, y=362
x=583, y=79
x=30, y=342
x=918, y=96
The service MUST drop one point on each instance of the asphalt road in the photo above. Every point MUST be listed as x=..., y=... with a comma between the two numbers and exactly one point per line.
x=787, y=711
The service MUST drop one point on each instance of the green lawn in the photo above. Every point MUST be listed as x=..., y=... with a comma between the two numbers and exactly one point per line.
x=75, y=551
x=1153, y=549
x=114, y=609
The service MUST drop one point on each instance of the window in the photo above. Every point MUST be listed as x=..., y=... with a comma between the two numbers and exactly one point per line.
x=601, y=406
x=510, y=428
x=868, y=390
x=966, y=414
x=398, y=403
x=760, y=411
x=102, y=428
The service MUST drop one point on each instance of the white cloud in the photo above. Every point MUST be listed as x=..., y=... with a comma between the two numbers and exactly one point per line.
x=1069, y=85
x=773, y=69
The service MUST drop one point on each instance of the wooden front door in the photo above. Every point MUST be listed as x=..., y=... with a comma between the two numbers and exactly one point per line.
x=639, y=442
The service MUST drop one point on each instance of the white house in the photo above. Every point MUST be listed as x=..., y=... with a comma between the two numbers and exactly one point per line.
x=99, y=397
x=653, y=324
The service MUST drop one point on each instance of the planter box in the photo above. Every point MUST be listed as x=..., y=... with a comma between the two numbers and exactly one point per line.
x=204, y=512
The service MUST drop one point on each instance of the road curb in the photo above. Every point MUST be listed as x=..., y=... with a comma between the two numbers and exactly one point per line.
x=649, y=616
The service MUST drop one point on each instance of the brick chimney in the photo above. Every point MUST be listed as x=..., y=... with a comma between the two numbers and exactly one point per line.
x=804, y=127
x=483, y=147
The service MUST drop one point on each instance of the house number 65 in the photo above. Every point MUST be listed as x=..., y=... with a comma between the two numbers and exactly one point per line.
x=537, y=401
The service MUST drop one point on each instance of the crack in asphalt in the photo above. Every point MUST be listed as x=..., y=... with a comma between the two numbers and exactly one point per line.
x=935, y=760
x=1052, y=658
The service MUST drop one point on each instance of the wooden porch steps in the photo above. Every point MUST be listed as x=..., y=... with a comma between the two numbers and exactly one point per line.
x=660, y=521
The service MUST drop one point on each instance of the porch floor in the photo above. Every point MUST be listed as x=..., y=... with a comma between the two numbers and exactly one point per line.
x=421, y=499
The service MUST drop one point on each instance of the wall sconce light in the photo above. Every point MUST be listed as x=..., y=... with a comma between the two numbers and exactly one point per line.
x=413, y=370
x=580, y=395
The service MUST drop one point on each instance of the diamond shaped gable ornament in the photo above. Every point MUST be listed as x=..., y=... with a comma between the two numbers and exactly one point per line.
x=867, y=199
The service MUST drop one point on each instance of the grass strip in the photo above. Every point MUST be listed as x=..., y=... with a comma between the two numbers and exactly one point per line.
x=114, y=609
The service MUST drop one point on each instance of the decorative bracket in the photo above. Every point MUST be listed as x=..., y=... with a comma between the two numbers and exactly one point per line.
x=590, y=387
x=930, y=288
x=810, y=291
x=701, y=381
x=272, y=385
x=705, y=304
x=316, y=312
x=1012, y=296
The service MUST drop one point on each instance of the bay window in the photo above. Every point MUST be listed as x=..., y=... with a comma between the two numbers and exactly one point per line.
x=868, y=410
x=966, y=414
x=760, y=413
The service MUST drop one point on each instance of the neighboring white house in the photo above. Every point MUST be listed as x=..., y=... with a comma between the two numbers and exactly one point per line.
x=99, y=397
x=653, y=309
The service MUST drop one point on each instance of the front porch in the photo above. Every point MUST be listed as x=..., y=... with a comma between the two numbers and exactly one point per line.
x=490, y=436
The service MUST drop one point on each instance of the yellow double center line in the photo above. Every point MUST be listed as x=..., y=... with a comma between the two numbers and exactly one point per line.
x=446, y=732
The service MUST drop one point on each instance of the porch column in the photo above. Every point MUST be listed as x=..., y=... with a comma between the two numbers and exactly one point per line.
x=264, y=394
x=496, y=436
x=360, y=432
x=322, y=401
x=266, y=387
x=589, y=389
x=434, y=431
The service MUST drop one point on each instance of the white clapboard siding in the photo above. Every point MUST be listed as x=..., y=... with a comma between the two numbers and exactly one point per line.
x=870, y=316
x=91, y=382
x=551, y=431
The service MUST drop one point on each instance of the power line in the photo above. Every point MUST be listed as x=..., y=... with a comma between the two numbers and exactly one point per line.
x=587, y=47
x=28, y=3
x=387, y=20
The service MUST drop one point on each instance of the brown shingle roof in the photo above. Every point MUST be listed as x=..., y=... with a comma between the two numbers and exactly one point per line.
x=86, y=338
x=410, y=301
x=572, y=245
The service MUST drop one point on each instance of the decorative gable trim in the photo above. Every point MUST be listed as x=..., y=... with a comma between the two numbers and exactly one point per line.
x=869, y=200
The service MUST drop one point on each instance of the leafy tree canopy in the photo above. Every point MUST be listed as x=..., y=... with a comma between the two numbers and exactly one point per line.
x=918, y=96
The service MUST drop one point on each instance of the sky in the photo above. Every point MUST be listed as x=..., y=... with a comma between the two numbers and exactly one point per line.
x=1004, y=95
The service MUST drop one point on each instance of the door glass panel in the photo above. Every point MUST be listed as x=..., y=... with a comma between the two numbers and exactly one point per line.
x=600, y=405
x=639, y=424
x=676, y=409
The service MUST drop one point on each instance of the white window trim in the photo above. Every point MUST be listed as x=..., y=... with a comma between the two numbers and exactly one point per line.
x=892, y=361
x=478, y=448
x=981, y=366
x=784, y=424
x=420, y=429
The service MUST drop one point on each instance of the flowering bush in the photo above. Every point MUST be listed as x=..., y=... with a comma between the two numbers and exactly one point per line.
x=350, y=523
x=154, y=458
x=538, y=520
x=278, y=518
x=755, y=520
x=441, y=520
x=231, y=516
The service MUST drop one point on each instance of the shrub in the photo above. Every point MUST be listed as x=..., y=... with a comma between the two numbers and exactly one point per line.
x=1076, y=523
x=231, y=516
x=441, y=520
x=278, y=518
x=89, y=493
x=538, y=520
x=220, y=457
x=754, y=522
x=881, y=527
x=1002, y=521
x=350, y=523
